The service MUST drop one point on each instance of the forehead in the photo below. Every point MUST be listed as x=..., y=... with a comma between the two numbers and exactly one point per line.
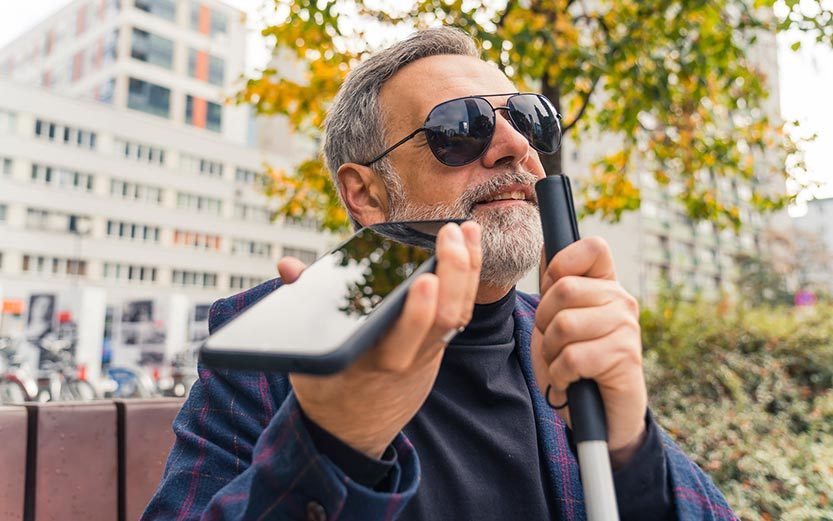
x=418, y=87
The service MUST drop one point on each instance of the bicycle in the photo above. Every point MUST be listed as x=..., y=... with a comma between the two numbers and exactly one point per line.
x=59, y=378
x=16, y=385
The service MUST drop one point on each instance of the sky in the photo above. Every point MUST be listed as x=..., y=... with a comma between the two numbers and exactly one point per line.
x=806, y=78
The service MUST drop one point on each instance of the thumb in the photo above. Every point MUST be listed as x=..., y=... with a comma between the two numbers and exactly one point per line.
x=290, y=268
x=542, y=271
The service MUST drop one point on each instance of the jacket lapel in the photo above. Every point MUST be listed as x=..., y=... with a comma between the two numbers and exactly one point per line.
x=560, y=463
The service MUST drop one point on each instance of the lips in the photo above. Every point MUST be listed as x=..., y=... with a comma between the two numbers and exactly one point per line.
x=510, y=193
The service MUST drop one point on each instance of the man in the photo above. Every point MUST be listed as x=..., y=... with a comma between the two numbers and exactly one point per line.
x=428, y=425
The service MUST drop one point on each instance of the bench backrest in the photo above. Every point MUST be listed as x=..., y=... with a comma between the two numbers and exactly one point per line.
x=82, y=460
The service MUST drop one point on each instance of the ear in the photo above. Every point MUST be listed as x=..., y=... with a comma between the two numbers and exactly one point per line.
x=363, y=192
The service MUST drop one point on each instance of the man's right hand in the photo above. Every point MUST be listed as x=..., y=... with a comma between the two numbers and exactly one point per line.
x=369, y=402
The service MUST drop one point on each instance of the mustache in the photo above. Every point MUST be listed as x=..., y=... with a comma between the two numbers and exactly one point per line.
x=494, y=184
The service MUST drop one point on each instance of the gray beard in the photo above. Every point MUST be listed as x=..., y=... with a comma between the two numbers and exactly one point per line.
x=512, y=237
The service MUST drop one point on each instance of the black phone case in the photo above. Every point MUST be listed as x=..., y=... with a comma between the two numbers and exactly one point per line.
x=373, y=328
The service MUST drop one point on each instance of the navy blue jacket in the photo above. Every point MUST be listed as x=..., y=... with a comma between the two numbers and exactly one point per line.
x=242, y=452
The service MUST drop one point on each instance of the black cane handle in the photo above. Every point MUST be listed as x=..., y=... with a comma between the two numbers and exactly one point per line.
x=560, y=226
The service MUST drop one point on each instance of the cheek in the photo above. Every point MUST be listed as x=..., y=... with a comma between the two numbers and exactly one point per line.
x=436, y=186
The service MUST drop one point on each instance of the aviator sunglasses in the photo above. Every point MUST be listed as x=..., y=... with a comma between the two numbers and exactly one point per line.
x=460, y=130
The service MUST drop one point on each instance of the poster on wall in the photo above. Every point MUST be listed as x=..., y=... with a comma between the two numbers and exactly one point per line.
x=198, y=328
x=140, y=339
x=41, y=317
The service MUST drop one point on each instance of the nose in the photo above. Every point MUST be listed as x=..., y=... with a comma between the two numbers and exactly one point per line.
x=508, y=145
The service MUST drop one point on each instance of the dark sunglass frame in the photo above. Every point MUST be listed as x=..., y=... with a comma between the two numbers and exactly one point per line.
x=488, y=142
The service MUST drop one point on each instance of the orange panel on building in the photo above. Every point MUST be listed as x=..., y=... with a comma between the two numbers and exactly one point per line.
x=77, y=63
x=205, y=20
x=199, y=112
x=50, y=38
x=81, y=20
x=202, y=65
x=99, y=52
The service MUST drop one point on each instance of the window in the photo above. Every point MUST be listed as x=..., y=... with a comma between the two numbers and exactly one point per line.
x=252, y=213
x=133, y=231
x=308, y=223
x=304, y=255
x=202, y=241
x=201, y=166
x=206, y=67
x=37, y=219
x=104, y=92
x=53, y=221
x=243, y=282
x=187, y=278
x=128, y=272
x=148, y=47
x=251, y=248
x=162, y=8
x=6, y=166
x=65, y=134
x=203, y=114
x=207, y=20
x=148, y=97
x=249, y=177
x=198, y=203
x=61, y=177
x=141, y=152
x=135, y=191
x=54, y=266
x=8, y=122
x=111, y=44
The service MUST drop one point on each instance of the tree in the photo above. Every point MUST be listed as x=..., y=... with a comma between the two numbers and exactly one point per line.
x=671, y=78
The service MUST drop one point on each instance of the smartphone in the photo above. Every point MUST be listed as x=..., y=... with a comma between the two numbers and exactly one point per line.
x=340, y=305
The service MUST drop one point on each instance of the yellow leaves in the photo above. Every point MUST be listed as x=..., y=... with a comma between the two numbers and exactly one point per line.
x=609, y=191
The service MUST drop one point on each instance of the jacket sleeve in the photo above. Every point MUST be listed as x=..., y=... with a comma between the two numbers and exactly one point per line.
x=242, y=452
x=695, y=495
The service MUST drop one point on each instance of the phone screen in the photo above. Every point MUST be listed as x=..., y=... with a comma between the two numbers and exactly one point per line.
x=333, y=296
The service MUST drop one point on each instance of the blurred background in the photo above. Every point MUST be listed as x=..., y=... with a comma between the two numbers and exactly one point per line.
x=156, y=155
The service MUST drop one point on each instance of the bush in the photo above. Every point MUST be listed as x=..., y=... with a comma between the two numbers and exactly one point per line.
x=748, y=393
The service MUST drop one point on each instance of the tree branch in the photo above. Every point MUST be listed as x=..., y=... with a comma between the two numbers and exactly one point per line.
x=568, y=126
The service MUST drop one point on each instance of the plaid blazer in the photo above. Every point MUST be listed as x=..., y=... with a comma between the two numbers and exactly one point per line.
x=242, y=451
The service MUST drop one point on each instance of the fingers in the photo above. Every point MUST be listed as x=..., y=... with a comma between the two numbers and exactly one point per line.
x=574, y=325
x=458, y=271
x=290, y=269
x=597, y=359
x=472, y=234
x=401, y=344
x=436, y=303
x=588, y=257
x=577, y=292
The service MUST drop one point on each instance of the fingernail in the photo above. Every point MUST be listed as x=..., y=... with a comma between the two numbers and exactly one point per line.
x=454, y=233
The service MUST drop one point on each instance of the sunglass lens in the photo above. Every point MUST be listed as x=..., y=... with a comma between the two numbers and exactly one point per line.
x=459, y=131
x=535, y=118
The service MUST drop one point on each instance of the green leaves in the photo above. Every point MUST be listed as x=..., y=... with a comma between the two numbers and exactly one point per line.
x=672, y=81
x=732, y=384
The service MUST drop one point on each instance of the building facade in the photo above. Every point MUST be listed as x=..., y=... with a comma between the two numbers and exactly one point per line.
x=814, y=238
x=166, y=65
x=174, y=59
x=127, y=184
x=657, y=247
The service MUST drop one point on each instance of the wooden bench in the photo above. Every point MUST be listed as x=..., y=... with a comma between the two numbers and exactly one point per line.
x=82, y=460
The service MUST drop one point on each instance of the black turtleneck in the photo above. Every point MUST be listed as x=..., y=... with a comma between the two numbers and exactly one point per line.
x=477, y=440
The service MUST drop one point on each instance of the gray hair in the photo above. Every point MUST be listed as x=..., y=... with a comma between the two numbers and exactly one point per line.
x=354, y=130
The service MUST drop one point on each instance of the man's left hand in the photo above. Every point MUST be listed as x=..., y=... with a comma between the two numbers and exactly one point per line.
x=587, y=326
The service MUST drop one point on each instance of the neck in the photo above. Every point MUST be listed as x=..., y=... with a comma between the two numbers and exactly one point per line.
x=487, y=293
